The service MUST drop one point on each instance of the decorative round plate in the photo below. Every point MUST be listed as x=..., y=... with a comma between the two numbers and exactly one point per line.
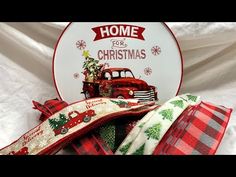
x=118, y=60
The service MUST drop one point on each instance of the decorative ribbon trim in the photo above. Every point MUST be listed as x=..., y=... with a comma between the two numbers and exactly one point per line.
x=72, y=121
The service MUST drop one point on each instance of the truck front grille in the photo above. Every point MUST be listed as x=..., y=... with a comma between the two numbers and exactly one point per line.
x=148, y=95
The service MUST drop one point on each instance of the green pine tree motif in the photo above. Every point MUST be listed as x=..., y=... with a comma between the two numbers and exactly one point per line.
x=167, y=114
x=52, y=123
x=92, y=66
x=124, y=149
x=55, y=124
x=120, y=102
x=141, y=125
x=178, y=103
x=154, y=132
x=140, y=150
x=62, y=119
x=192, y=98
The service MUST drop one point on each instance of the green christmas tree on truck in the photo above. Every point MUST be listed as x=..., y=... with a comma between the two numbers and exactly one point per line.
x=120, y=103
x=56, y=123
x=124, y=104
x=91, y=67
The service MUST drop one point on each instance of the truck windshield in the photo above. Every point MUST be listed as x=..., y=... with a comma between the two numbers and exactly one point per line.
x=126, y=73
x=117, y=74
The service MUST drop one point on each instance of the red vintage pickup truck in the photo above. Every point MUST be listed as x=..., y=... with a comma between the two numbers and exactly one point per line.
x=75, y=118
x=119, y=83
x=22, y=151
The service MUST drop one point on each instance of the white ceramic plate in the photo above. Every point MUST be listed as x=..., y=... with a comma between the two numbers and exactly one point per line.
x=149, y=50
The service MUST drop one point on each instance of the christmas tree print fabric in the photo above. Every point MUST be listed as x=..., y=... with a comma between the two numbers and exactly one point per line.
x=149, y=131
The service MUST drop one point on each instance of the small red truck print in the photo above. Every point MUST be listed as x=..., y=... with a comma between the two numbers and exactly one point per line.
x=124, y=104
x=22, y=151
x=75, y=118
x=119, y=83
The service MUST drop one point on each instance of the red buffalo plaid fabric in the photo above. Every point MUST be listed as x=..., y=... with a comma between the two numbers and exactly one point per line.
x=91, y=145
x=49, y=108
x=95, y=144
x=199, y=130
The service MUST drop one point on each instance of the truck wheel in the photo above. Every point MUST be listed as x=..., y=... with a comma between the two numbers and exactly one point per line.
x=87, y=119
x=64, y=131
x=121, y=97
x=87, y=95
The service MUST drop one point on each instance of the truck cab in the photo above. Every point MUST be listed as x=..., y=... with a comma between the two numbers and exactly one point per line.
x=119, y=83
